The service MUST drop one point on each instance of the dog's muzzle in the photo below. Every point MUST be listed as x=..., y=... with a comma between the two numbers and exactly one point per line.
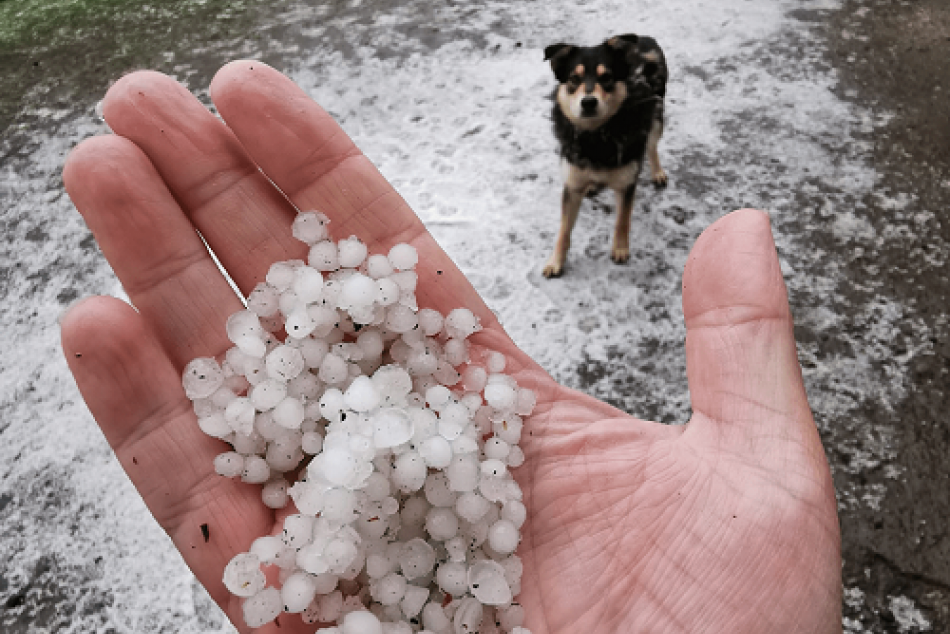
x=589, y=106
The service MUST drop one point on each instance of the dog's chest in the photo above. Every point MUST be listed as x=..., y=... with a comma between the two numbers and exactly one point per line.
x=579, y=178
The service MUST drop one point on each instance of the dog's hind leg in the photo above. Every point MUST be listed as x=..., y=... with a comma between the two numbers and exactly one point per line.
x=620, y=252
x=657, y=175
x=570, y=206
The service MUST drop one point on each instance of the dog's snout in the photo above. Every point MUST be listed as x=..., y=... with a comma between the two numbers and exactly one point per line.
x=589, y=104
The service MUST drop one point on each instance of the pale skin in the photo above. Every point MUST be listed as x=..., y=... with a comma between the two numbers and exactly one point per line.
x=725, y=524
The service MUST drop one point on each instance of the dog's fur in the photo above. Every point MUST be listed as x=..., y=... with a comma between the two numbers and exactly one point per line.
x=608, y=114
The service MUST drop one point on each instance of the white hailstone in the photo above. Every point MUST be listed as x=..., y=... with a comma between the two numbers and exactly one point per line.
x=299, y=324
x=311, y=443
x=430, y=322
x=413, y=601
x=503, y=537
x=256, y=470
x=409, y=472
x=280, y=275
x=288, y=302
x=515, y=512
x=414, y=511
x=468, y=616
x=510, y=617
x=244, y=330
x=456, y=351
x=391, y=427
x=463, y=473
x=493, y=467
x=388, y=292
x=284, y=363
x=378, y=266
x=310, y=226
x=390, y=589
x=337, y=465
x=376, y=487
x=248, y=444
x=305, y=386
x=421, y=362
x=308, y=284
x=471, y=506
x=496, y=448
x=288, y=413
x=453, y=419
x=361, y=395
x=493, y=488
x=352, y=252
x=442, y=523
x=456, y=549
x=202, y=378
x=474, y=378
x=495, y=362
x=400, y=318
x=332, y=404
x=361, y=622
x=229, y=464
x=243, y=576
x=509, y=429
x=358, y=290
x=378, y=565
x=285, y=452
x=460, y=323
x=416, y=559
x=274, y=494
x=515, y=457
x=254, y=370
x=486, y=581
x=324, y=320
x=403, y=256
x=240, y=415
x=436, y=451
x=371, y=343
x=215, y=425
x=446, y=374
x=263, y=300
x=333, y=369
x=313, y=350
x=500, y=396
x=525, y=402
x=263, y=607
x=324, y=256
x=298, y=590
x=223, y=396
x=267, y=394
x=339, y=553
x=266, y=548
x=452, y=578
x=437, y=490
x=438, y=396
x=406, y=280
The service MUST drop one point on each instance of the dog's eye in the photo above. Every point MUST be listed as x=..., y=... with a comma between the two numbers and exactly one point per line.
x=574, y=80
x=606, y=78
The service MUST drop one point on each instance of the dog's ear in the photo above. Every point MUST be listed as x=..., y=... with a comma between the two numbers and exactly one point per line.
x=625, y=46
x=558, y=54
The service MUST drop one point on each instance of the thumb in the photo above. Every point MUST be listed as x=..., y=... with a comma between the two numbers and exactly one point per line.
x=741, y=360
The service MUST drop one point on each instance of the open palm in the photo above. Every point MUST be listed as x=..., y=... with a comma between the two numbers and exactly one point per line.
x=727, y=524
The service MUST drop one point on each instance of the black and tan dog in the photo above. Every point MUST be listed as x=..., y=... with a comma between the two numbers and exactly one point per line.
x=608, y=114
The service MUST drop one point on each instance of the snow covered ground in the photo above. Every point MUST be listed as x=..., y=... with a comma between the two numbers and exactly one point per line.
x=451, y=103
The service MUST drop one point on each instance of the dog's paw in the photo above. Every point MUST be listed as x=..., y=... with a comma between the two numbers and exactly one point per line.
x=620, y=254
x=659, y=179
x=553, y=269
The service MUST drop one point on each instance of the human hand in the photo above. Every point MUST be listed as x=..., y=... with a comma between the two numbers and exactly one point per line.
x=726, y=524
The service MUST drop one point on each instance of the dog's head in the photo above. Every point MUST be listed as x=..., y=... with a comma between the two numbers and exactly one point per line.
x=594, y=80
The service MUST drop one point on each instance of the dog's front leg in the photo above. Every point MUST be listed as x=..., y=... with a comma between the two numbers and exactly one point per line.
x=571, y=200
x=620, y=252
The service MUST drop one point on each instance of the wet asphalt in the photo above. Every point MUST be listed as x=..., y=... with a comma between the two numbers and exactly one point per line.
x=874, y=336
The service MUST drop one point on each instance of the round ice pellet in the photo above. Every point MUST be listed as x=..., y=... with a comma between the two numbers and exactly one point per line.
x=436, y=451
x=333, y=369
x=471, y=506
x=437, y=490
x=460, y=323
x=474, y=378
x=442, y=523
x=298, y=590
x=413, y=601
x=256, y=470
x=452, y=578
x=515, y=512
x=243, y=323
x=416, y=559
x=500, y=396
x=515, y=457
x=288, y=413
x=503, y=537
x=378, y=266
x=284, y=362
x=496, y=448
x=263, y=607
x=308, y=284
x=361, y=622
x=243, y=575
x=338, y=466
x=493, y=467
x=400, y=318
x=263, y=300
x=352, y=252
x=486, y=581
x=463, y=473
x=361, y=395
x=403, y=256
x=468, y=616
x=215, y=425
x=409, y=472
x=310, y=226
x=266, y=548
x=267, y=394
x=371, y=343
x=390, y=589
x=299, y=324
x=311, y=443
x=391, y=427
x=202, y=378
x=280, y=275
x=358, y=291
x=430, y=322
x=229, y=464
x=388, y=292
x=274, y=493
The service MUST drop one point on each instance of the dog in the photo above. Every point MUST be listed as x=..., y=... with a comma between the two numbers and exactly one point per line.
x=608, y=115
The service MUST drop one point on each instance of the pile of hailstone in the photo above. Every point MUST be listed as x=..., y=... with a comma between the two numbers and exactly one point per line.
x=393, y=436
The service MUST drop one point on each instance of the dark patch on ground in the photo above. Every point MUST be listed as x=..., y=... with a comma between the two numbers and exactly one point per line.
x=896, y=61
